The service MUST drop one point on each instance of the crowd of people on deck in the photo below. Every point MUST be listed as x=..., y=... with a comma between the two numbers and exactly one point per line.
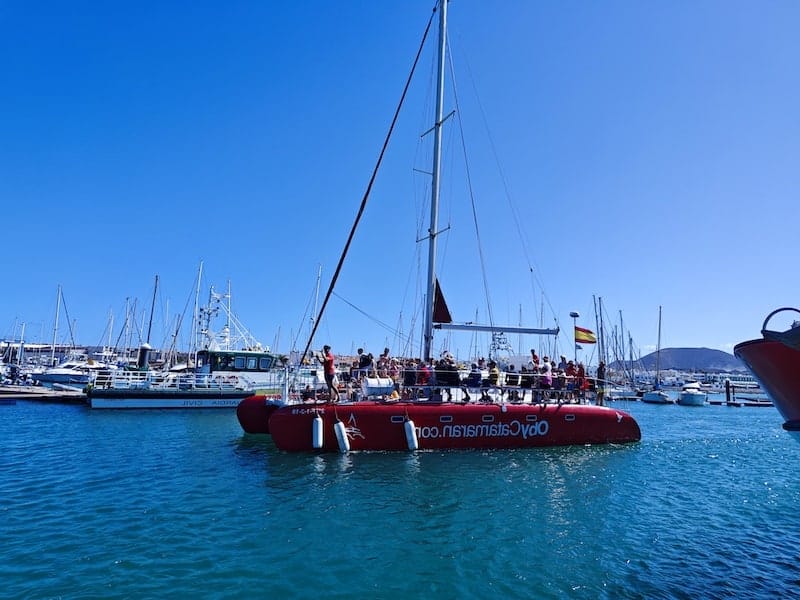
x=541, y=379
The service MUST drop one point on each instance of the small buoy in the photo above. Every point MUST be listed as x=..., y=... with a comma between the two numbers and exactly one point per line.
x=316, y=433
x=411, y=435
x=341, y=436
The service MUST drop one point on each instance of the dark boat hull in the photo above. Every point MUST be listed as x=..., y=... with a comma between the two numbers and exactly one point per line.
x=151, y=398
x=776, y=366
x=380, y=426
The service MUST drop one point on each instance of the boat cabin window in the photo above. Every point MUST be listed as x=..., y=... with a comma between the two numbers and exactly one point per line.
x=233, y=361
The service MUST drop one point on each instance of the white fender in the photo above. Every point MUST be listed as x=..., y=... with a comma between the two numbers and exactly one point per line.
x=411, y=435
x=316, y=433
x=341, y=436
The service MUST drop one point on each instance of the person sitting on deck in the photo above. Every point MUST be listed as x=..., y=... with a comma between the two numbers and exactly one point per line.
x=559, y=384
x=382, y=364
x=365, y=363
x=526, y=380
x=394, y=370
x=409, y=377
x=447, y=374
x=424, y=377
x=473, y=380
x=490, y=382
x=512, y=381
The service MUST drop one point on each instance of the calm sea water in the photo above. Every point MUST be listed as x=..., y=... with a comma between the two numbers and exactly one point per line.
x=154, y=504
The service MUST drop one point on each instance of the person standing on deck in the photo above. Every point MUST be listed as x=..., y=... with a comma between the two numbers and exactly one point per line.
x=546, y=379
x=534, y=362
x=600, y=384
x=329, y=367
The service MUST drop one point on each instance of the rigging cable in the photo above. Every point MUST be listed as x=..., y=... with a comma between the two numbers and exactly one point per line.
x=394, y=331
x=514, y=211
x=69, y=322
x=369, y=188
x=471, y=196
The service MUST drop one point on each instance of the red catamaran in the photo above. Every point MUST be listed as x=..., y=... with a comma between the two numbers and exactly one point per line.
x=428, y=422
x=774, y=361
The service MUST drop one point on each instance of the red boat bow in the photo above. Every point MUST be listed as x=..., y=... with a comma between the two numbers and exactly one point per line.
x=253, y=413
x=776, y=366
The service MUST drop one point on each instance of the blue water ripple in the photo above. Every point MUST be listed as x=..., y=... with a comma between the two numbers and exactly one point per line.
x=132, y=504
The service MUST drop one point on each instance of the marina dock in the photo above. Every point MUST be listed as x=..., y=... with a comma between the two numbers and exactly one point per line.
x=10, y=393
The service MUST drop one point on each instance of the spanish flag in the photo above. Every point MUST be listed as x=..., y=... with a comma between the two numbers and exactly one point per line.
x=584, y=336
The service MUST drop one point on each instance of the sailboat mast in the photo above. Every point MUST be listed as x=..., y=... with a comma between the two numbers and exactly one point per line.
x=21, y=350
x=152, y=308
x=55, y=328
x=603, y=350
x=196, y=325
x=228, y=319
x=110, y=326
x=621, y=340
x=437, y=158
x=658, y=350
x=630, y=354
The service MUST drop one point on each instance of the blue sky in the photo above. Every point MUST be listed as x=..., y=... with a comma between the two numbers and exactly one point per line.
x=643, y=153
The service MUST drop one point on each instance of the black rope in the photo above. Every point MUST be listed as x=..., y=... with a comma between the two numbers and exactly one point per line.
x=369, y=188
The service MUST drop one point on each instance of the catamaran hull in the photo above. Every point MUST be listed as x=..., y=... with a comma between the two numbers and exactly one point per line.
x=376, y=426
x=254, y=412
x=117, y=398
x=777, y=368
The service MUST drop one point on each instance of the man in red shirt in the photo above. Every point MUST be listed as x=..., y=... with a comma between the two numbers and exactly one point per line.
x=329, y=368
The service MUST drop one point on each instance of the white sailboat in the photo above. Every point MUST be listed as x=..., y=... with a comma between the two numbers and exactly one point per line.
x=657, y=395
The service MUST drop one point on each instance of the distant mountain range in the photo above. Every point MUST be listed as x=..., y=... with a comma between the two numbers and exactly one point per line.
x=692, y=359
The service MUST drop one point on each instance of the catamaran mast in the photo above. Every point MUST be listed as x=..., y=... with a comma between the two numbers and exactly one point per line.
x=437, y=158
